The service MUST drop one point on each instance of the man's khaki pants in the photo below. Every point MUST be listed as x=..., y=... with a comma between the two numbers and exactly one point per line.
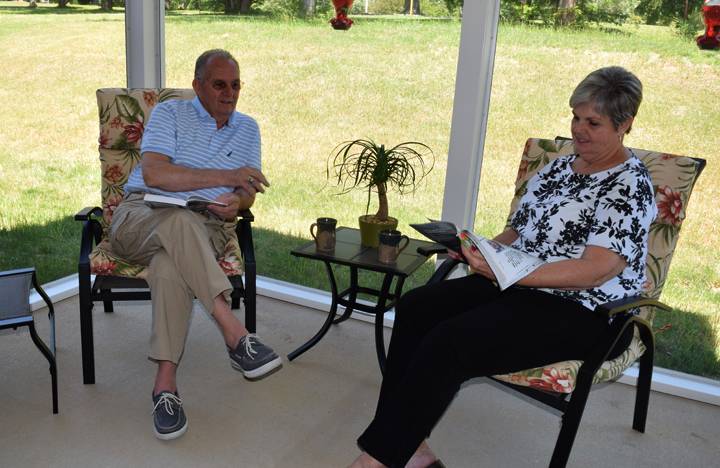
x=180, y=247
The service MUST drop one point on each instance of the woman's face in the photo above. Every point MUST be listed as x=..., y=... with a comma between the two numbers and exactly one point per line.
x=594, y=134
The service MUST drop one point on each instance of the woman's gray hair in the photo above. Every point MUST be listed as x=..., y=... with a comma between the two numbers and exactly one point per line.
x=205, y=57
x=614, y=92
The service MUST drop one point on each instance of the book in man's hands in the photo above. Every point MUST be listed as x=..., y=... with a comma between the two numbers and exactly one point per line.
x=193, y=202
x=508, y=264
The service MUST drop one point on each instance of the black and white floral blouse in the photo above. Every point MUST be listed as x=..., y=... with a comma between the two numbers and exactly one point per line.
x=561, y=212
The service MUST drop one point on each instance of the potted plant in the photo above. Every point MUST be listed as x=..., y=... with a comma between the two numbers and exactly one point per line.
x=363, y=164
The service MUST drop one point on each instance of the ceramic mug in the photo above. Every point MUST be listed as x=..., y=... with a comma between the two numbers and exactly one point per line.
x=325, y=235
x=392, y=242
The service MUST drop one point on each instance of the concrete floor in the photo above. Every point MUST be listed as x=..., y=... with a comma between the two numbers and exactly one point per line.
x=307, y=415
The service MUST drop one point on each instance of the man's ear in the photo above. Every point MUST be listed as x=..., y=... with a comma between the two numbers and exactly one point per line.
x=195, y=85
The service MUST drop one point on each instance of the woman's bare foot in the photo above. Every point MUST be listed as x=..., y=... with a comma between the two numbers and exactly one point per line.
x=366, y=461
x=422, y=457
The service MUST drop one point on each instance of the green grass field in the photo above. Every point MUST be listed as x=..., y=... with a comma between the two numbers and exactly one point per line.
x=311, y=87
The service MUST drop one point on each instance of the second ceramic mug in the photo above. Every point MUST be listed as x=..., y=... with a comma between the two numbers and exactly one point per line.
x=325, y=236
x=392, y=242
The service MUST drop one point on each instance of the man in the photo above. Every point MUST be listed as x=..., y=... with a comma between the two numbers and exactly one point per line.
x=202, y=147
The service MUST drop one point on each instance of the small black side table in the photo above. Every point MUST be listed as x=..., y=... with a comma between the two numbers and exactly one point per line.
x=349, y=252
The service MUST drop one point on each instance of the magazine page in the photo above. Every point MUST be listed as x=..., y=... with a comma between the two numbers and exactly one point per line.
x=156, y=200
x=197, y=202
x=194, y=202
x=508, y=263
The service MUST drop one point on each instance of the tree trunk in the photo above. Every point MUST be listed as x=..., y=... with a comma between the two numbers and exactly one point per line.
x=685, y=12
x=106, y=5
x=382, y=212
x=566, y=12
x=245, y=6
x=309, y=8
x=232, y=6
x=62, y=3
x=415, y=7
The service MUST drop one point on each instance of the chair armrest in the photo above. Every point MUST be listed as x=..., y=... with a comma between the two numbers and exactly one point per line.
x=91, y=231
x=432, y=250
x=612, y=308
x=443, y=270
x=246, y=215
x=86, y=213
x=243, y=230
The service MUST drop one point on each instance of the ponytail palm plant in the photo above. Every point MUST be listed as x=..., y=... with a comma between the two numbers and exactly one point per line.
x=363, y=164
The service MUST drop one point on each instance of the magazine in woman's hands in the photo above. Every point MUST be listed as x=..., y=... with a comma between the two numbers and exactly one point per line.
x=509, y=264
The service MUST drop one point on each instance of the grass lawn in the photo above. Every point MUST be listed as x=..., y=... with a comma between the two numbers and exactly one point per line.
x=311, y=87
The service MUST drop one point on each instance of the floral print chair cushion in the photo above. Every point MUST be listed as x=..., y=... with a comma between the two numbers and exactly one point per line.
x=673, y=180
x=123, y=115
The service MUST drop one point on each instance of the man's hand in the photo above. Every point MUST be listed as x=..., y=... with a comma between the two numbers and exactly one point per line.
x=230, y=211
x=250, y=179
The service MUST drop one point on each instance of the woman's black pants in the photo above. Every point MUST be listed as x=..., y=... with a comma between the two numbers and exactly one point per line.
x=455, y=330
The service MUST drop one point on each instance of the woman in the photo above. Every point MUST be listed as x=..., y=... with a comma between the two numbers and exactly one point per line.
x=588, y=216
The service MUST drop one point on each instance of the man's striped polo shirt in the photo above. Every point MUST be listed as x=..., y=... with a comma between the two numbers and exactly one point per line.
x=185, y=132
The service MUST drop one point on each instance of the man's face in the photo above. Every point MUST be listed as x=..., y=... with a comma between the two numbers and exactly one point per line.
x=219, y=89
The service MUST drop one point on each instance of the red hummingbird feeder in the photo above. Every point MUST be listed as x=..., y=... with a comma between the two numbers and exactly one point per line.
x=341, y=20
x=711, y=16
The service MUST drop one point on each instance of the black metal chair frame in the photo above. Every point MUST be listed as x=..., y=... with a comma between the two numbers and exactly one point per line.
x=28, y=321
x=118, y=288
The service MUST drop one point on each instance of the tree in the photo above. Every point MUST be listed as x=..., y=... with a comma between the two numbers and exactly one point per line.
x=237, y=6
x=309, y=7
x=415, y=7
x=63, y=3
x=566, y=12
x=106, y=5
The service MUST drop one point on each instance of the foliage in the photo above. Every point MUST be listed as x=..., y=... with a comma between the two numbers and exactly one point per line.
x=665, y=12
x=280, y=8
x=366, y=165
x=546, y=12
x=454, y=5
x=691, y=27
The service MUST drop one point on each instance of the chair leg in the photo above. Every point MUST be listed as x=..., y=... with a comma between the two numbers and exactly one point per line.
x=86, y=326
x=107, y=303
x=642, y=393
x=250, y=298
x=570, y=423
x=51, y=359
x=250, y=305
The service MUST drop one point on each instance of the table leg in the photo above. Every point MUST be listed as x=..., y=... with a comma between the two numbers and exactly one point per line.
x=352, y=297
x=380, y=319
x=326, y=326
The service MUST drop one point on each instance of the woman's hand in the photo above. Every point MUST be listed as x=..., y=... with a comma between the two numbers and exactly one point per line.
x=477, y=262
x=456, y=256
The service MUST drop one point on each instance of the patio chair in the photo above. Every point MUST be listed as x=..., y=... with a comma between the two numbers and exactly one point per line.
x=15, y=312
x=123, y=114
x=565, y=386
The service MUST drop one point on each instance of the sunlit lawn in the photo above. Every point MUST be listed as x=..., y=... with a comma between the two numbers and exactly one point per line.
x=311, y=87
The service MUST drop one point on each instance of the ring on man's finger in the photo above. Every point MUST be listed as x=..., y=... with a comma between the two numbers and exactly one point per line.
x=251, y=180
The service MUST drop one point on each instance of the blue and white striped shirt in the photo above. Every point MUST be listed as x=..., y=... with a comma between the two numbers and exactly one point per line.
x=185, y=132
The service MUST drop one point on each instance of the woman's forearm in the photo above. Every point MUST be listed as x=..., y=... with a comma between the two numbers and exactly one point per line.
x=596, y=266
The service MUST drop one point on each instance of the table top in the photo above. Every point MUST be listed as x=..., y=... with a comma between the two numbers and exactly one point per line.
x=348, y=251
